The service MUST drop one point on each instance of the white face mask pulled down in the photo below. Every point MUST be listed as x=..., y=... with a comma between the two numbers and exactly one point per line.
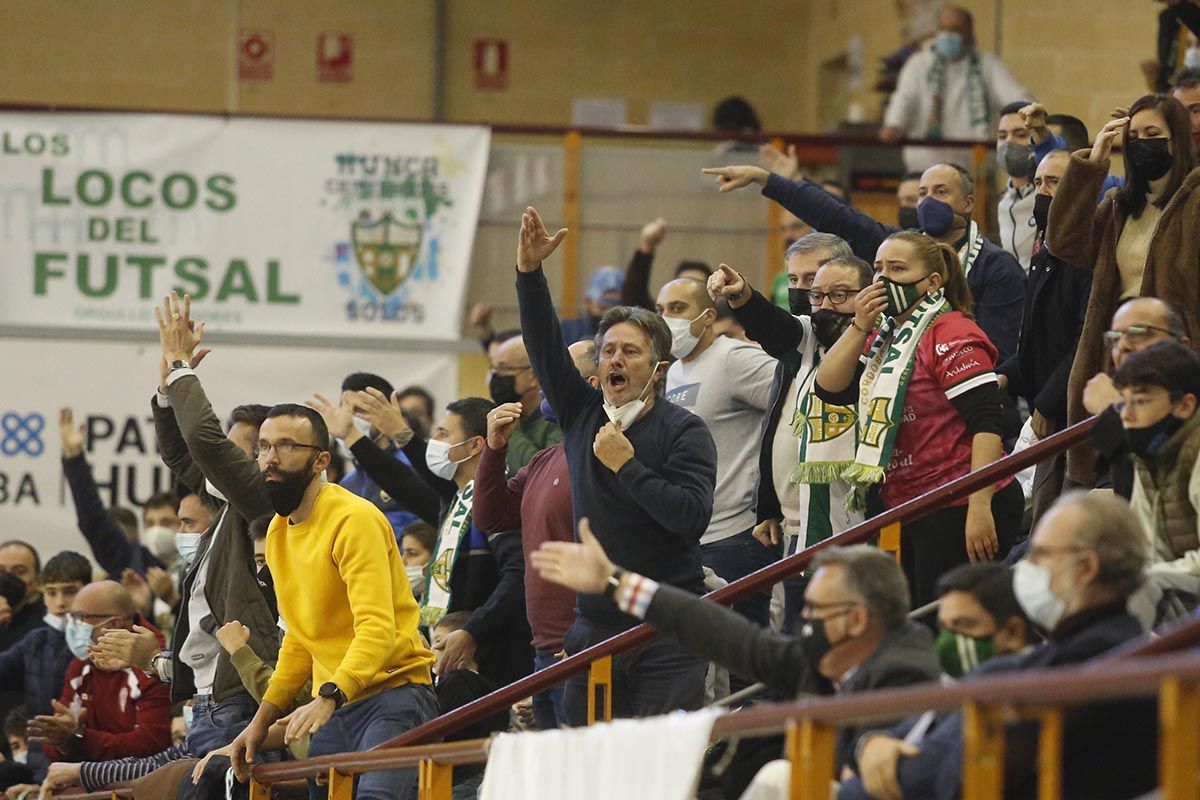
x=683, y=341
x=627, y=413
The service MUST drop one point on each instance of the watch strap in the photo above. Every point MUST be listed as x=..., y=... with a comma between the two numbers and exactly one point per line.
x=613, y=583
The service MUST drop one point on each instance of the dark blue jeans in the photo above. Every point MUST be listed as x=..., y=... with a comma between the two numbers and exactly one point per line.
x=548, y=705
x=652, y=679
x=736, y=557
x=215, y=725
x=363, y=724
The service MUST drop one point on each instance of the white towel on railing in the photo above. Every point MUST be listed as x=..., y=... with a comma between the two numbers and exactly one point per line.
x=659, y=757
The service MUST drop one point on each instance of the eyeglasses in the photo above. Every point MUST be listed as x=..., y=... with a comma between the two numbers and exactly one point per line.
x=504, y=369
x=95, y=620
x=1136, y=334
x=810, y=609
x=1036, y=552
x=837, y=296
x=282, y=449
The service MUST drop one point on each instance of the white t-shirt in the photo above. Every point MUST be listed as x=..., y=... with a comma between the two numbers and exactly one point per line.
x=728, y=386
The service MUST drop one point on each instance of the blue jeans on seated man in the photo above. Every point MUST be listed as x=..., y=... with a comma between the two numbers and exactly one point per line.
x=736, y=557
x=652, y=679
x=364, y=724
x=548, y=710
x=215, y=725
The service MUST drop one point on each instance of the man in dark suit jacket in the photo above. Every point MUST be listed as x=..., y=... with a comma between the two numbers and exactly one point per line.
x=1094, y=550
x=854, y=635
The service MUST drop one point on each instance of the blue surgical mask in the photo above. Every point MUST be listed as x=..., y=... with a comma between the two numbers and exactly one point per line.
x=79, y=636
x=936, y=217
x=187, y=544
x=948, y=45
x=1191, y=59
x=55, y=621
x=189, y=714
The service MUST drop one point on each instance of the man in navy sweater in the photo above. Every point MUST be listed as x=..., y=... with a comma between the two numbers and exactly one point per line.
x=642, y=470
x=947, y=195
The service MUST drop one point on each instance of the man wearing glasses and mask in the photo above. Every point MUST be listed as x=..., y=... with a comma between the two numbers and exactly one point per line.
x=1137, y=324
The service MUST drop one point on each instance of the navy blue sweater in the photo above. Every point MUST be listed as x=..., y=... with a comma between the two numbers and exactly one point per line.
x=650, y=514
x=996, y=280
x=37, y=665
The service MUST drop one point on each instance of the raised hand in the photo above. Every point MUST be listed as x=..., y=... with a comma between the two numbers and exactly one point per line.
x=374, y=407
x=72, y=436
x=611, y=446
x=139, y=590
x=730, y=178
x=772, y=159
x=534, y=245
x=501, y=424
x=339, y=419
x=179, y=334
x=55, y=729
x=728, y=283
x=652, y=235
x=868, y=305
x=581, y=566
x=119, y=648
x=162, y=585
x=1033, y=116
x=1105, y=140
x=480, y=320
x=233, y=636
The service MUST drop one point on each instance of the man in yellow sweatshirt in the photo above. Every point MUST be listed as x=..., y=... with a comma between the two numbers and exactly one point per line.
x=350, y=616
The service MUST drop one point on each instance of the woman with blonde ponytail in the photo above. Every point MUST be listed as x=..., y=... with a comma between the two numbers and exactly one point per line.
x=918, y=376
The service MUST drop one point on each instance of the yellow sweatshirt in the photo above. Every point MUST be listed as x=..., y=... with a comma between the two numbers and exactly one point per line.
x=343, y=594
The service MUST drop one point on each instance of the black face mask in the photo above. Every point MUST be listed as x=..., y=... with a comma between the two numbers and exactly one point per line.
x=909, y=219
x=1151, y=157
x=814, y=642
x=829, y=325
x=503, y=388
x=1041, y=211
x=1148, y=442
x=286, y=493
x=798, y=302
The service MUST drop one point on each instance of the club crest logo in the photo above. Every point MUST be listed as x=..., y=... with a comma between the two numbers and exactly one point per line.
x=386, y=250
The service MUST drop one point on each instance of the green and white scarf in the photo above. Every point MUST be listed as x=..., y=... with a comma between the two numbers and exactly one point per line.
x=977, y=95
x=455, y=527
x=970, y=249
x=855, y=444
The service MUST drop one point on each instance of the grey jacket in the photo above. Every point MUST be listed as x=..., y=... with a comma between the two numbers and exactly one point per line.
x=195, y=448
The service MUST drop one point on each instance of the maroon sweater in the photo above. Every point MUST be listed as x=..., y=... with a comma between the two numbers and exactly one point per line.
x=128, y=713
x=538, y=501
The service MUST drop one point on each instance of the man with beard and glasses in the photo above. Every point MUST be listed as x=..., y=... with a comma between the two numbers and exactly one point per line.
x=798, y=514
x=350, y=614
x=644, y=467
x=512, y=380
x=727, y=384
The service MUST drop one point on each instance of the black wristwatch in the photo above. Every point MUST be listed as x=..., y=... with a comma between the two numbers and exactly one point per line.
x=330, y=690
x=614, y=581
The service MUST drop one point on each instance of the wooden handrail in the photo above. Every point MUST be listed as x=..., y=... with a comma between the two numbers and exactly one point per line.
x=487, y=705
x=1180, y=635
x=1056, y=687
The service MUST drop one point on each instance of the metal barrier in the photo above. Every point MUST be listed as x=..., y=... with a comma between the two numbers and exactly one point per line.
x=446, y=724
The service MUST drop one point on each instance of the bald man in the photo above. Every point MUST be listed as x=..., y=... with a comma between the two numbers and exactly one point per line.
x=104, y=713
x=512, y=380
x=728, y=385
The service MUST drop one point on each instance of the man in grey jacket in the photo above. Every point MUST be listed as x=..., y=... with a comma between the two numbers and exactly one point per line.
x=854, y=635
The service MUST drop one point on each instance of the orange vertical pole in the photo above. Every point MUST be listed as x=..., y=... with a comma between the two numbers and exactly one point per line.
x=774, y=260
x=341, y=787
x=1179, y=734
x=889, y=540
x=983, y=752
x=600, y=678
x=572, y=180
x=1050, y=755
x=810, y=748
x=259, y=791
x=434, y=781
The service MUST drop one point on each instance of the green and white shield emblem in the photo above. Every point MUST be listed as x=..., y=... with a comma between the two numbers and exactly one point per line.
x=386, y=250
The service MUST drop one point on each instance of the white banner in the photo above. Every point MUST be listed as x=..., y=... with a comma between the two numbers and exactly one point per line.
x=109, y=386
x=346, y=229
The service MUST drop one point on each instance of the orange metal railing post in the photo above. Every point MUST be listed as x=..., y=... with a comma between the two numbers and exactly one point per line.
x=259, y=791
x=889, y=540
x=572, y=180
x=774, y=260
x=983, y=752
x=1050, y=755
x=1179, y=748
x=810, y=749
x=600, y=681
x=434, y=781
x=341, y=786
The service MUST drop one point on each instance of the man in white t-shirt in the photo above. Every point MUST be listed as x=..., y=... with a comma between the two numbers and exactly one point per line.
x=949, y=90
x=727, y=384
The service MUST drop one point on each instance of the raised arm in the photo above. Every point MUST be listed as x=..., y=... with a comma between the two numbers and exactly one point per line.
x=496, y=506
x=1072, y=232
x=171, y=446
x=775, y=329
x=635, y=291
x=561, y=382
x=839, y=368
